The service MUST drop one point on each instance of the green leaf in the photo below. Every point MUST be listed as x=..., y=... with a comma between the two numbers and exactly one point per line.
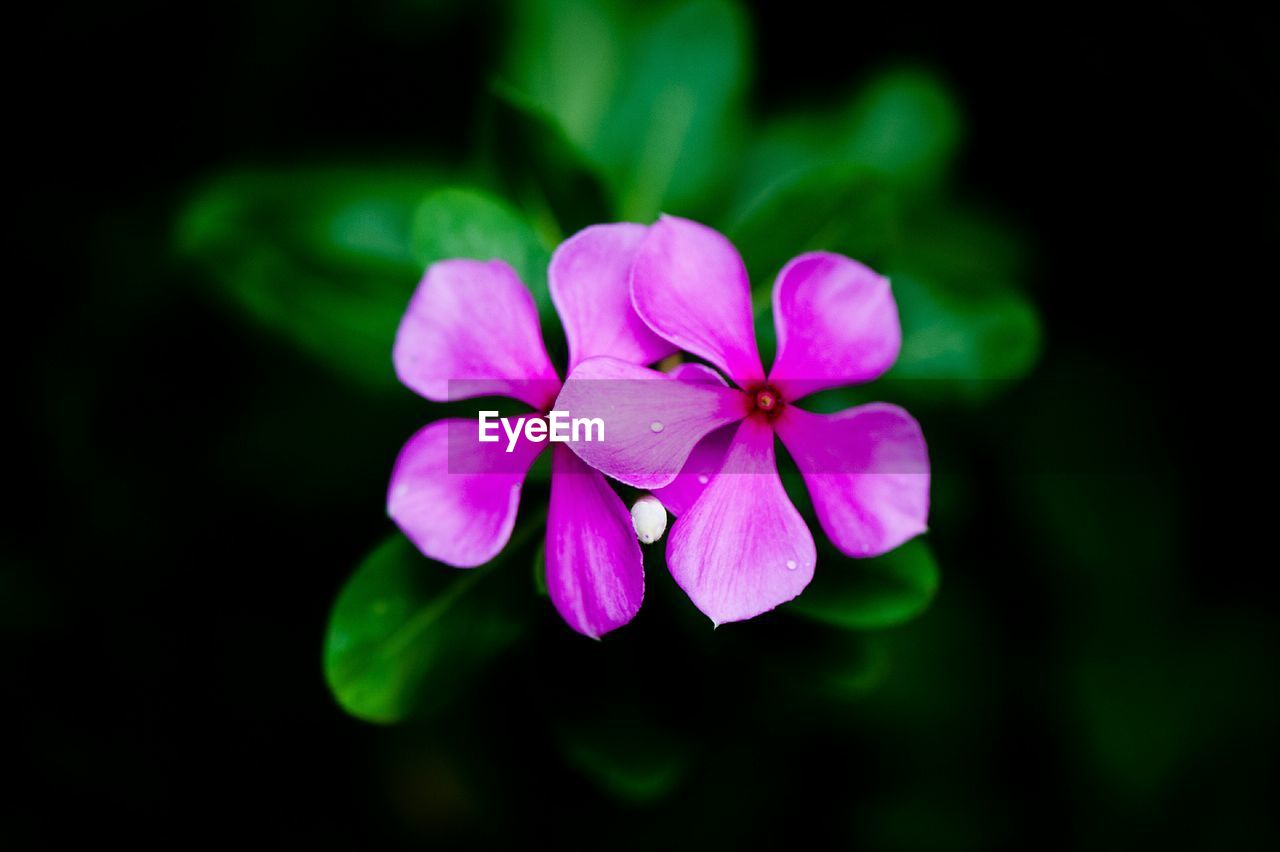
x=460, y=222
x=832, y=208
x=663, y=133
x=318, y=255
x=967, y=329
x=870, y=594
x=811, y=661
x=405, y=632
x=953, y=345
x=542, y=169
x=568, y=56
x=539, y=570
x=632, y=759
x=905, y=124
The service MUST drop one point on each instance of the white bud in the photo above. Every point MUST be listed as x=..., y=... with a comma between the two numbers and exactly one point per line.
x=649, y=517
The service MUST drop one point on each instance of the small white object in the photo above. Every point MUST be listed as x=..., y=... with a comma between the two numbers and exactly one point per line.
x=649, y=517
x=656, y=426
x=791, y=565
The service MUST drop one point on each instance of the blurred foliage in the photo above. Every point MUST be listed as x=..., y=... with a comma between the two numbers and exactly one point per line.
x=475, y=224
x=630, y=756
x=651, y=94
x=904, y=126
x=403, y=635
x=870, y=594
x=321, y=255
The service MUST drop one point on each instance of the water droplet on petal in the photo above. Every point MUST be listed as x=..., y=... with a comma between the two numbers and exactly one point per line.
x=703, y=479
x=656, y=426
x=791, y=565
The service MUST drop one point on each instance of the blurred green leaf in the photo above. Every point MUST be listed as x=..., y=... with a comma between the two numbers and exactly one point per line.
x=461, y=222
x=543, y=170
x=967, y=329
x=902, y=126
x=832, y=665
x=871, y=594
x=973, y=251
x=831, y=208
x=905, y=124
x=969, y=346
x=662, y=132
x=567, y=56
x=320, y=255
x=405, y=632
x=854, y=669
x=632, y=759
x=539, y=569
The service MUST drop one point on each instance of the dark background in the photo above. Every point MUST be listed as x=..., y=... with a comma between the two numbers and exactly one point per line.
x=167, y=585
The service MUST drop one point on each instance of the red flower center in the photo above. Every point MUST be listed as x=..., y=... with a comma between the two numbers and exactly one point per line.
x=767, y=401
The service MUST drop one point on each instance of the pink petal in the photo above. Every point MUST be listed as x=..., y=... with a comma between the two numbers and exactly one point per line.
x=590, y=283
x=454, y=497
x=595, y=570
x=699, y=471
x=698, y=374
x=837, y=325
x=867, y=470
x=471, y=329
x=742, y=549
x=690, y=286
x=651, y=424
x=707, y=457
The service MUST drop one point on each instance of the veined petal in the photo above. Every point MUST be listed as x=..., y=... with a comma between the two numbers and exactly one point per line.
x=837, y=325
x=867, y=470
x=690, y=285
x=707, y=457
x=651, y=423
x=702, y=466
x=471, y=329
x=595, y=570
x=590, y=283
x=454, y=497
x=742, y=548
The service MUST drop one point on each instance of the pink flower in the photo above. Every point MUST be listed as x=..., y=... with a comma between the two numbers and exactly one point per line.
x=471, y=330
x=739, y=547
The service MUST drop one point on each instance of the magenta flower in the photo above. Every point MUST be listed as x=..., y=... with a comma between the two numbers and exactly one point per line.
x=739, y=547
x=471, y=330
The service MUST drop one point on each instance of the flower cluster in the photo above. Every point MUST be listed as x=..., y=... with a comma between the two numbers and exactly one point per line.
x=629, y=295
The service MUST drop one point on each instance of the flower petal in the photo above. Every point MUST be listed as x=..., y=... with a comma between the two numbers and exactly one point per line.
x=651, y=423
x=867, y=470
x=471, y=329
x=595, y=570
x=699, y=470
x=707, y=457
x=698, y=374
x=690, y=286
x=742, y=548
x=590, y=282
x=837, y=325
x=455, y=497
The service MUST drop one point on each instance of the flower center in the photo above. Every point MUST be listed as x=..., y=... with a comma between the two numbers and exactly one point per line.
x=767, y=401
